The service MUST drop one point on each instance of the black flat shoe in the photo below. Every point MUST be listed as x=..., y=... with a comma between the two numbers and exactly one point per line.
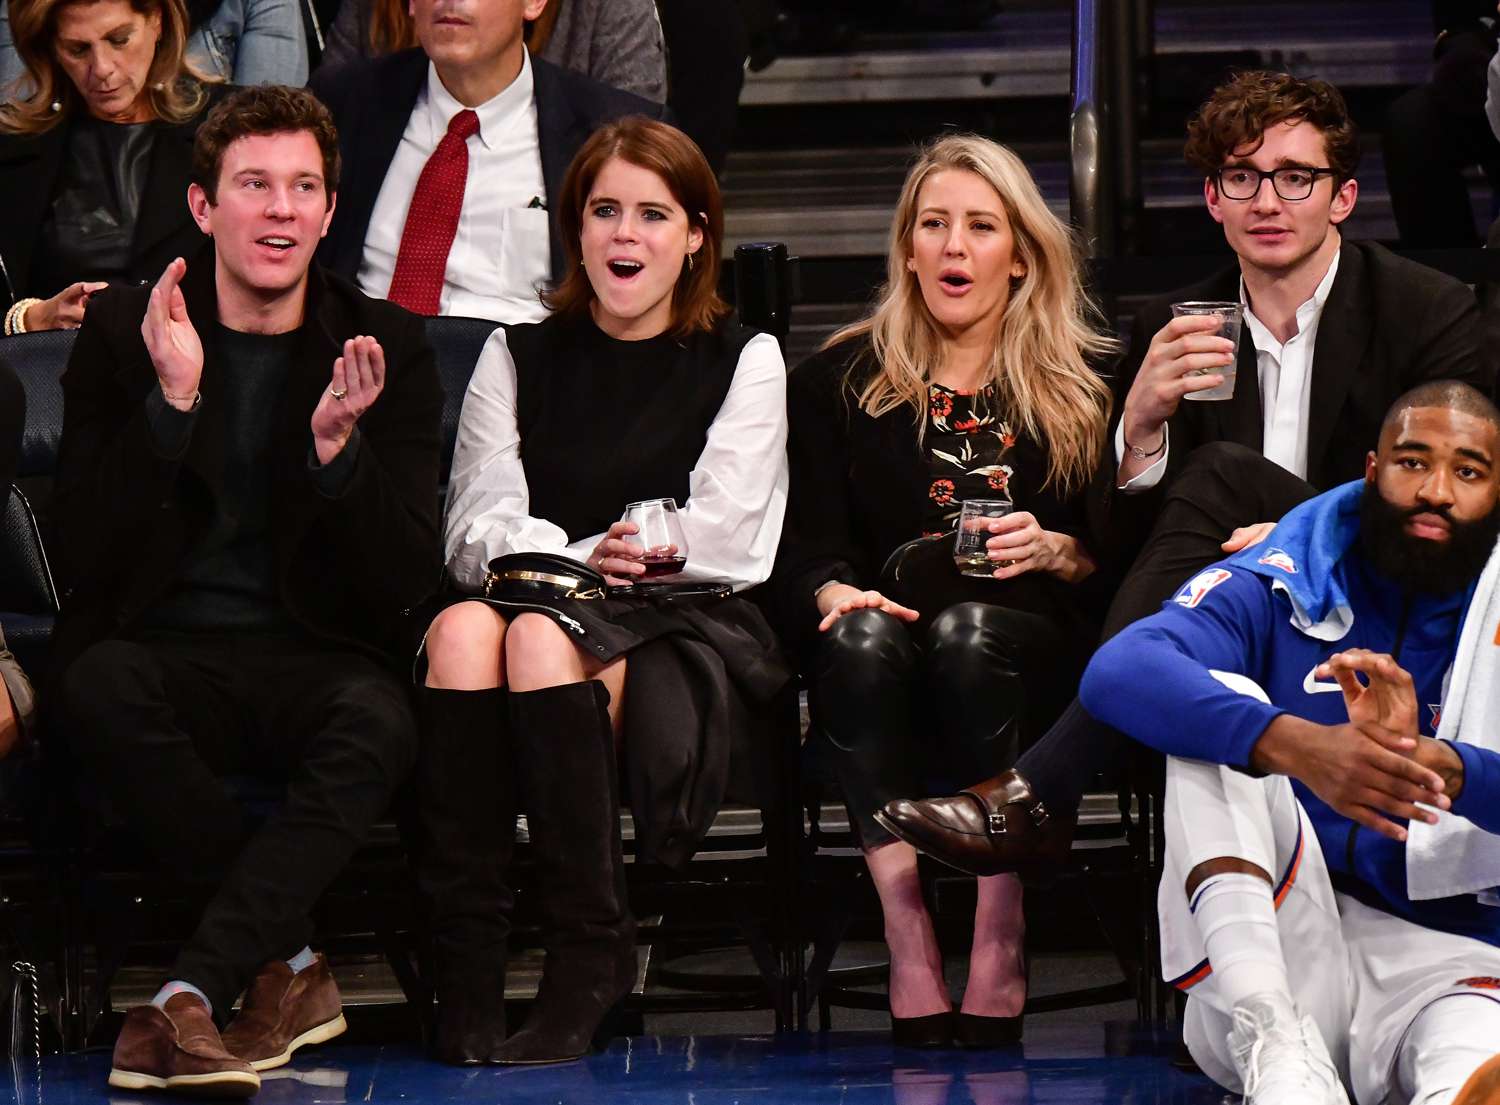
x=973, y=1031
x=932, y=1031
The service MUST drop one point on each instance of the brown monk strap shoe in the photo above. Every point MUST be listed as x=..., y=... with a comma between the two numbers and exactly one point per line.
x=178, y=1048
x=989, y=829
x=284, y=1010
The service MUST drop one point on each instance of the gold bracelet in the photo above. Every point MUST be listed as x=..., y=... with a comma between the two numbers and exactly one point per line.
x=15, y=318
x=195, y=398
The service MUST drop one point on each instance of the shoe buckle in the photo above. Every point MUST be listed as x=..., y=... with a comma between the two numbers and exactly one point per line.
x=996, y=819
x=1039, y=815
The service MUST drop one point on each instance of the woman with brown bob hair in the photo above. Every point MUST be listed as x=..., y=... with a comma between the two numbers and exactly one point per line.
x=95, y=152
x=558, y=668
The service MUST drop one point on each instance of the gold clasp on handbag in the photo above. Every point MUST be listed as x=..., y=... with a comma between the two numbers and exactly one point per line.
x=570, y=583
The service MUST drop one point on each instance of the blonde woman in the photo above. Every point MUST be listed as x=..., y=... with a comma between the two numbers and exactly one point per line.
x=971, y=379
x=95, y=152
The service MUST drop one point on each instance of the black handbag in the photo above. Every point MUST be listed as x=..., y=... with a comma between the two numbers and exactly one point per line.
x=921, y=574
x=529, y=577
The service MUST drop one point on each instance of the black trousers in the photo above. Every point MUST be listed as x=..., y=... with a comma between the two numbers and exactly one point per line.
x=1220, y=488
x=903, y=716
x=158, y=724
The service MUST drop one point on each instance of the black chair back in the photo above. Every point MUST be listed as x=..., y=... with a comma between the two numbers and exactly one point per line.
x=456, y=342
x=38, y=361
x=765, y=279
x=26, y=585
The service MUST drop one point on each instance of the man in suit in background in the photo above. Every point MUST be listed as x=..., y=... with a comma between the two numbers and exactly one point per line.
x=1333, y=333
x=455, y=153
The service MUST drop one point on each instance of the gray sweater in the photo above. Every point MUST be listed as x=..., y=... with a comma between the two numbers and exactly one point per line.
x=616, y=42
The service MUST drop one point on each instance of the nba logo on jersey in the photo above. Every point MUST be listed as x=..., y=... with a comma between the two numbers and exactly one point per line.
x=1278, y=558
x=1437, y=715
x=1200, y=585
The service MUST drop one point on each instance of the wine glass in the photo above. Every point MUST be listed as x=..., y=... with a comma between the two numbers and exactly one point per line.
x=971, y=537
x=659, y=533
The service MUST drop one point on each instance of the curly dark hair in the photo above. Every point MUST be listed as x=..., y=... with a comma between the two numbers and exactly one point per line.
x=263, y=109
x=1239, y=113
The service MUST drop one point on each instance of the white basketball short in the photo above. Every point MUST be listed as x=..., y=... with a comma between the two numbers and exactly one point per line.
x=1362, y=974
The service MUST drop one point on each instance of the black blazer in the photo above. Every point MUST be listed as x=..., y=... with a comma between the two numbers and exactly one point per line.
x=372, y=100
x=125, y=514
x=164, y=229
x=1388, y=325
x=859, y=489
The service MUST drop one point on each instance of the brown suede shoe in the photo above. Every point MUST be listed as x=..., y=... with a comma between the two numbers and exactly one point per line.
x=178, y=1048
x=994, y=827
x=283, y=1010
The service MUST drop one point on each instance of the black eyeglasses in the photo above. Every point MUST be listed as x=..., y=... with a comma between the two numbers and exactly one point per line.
x=1292, y=182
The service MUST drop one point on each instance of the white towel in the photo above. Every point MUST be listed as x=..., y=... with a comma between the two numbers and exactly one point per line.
x=1455, y=856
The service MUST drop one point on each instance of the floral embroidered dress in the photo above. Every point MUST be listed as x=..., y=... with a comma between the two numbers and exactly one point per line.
x=971, y=454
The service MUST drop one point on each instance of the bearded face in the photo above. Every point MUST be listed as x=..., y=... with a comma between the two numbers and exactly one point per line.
x=1418, y=563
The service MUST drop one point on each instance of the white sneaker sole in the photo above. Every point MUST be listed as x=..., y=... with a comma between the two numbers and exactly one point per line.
x=323, y=1032
x=233, y=1083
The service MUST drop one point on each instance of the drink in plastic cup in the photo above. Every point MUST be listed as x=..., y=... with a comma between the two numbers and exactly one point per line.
x=1230, y=315
x=970, y=540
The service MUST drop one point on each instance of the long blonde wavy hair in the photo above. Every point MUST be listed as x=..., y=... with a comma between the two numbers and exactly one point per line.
x=174, y=85
x=1040, y=364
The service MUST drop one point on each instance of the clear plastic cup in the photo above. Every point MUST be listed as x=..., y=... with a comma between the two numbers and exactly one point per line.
x=1230, y=316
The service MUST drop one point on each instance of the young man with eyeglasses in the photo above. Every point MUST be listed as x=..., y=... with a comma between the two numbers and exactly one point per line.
x=1334, y=331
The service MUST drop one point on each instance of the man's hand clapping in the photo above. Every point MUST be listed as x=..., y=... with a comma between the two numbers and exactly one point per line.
x=176, y=353
x=358, y=379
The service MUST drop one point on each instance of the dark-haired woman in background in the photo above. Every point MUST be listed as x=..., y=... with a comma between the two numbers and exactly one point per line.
x=94, y=161
x=637, y=387
x=972, y=379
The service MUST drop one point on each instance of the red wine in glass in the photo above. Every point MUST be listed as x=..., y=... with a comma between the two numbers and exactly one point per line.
x=664, y=549
x=662, y=565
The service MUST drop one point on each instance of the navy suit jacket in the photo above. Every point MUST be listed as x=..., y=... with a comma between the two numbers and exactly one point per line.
x=372, y=101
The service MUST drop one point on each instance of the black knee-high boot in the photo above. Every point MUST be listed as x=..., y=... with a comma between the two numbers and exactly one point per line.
x=565, y=766
x=467, y=794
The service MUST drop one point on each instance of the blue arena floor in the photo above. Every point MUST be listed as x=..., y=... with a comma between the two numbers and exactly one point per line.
x=1093, y=1064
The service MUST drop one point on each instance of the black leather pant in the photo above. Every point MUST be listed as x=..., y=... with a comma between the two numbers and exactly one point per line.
x=904, y=716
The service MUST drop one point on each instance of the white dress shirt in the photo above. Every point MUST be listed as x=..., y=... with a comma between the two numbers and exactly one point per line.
x=501, y=256
x=737, y=490
x=1285, y=372
x=1285, y=375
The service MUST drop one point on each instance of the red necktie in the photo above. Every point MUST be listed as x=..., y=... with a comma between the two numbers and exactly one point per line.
x=432, y=220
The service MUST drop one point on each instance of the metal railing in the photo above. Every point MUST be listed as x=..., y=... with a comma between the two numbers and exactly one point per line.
x=1111, y=39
